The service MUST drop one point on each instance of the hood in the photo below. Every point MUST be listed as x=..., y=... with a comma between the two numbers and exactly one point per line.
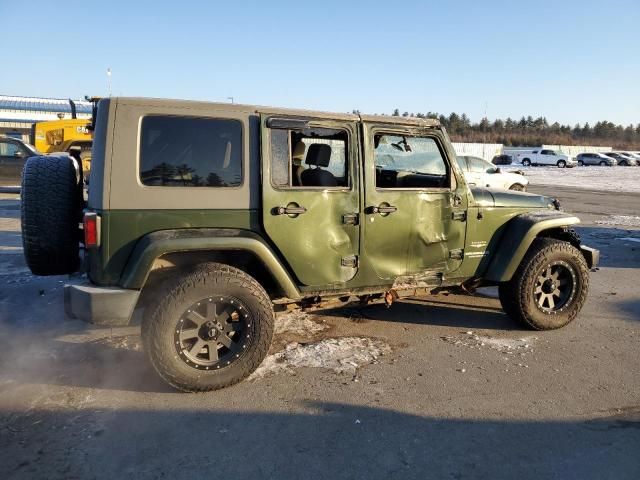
x=493, y=197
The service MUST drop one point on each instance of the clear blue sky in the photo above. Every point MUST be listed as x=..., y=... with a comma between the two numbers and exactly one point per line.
x=571, y=61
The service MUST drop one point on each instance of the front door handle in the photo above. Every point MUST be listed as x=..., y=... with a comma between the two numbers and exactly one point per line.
x=290, y=210
x=383, y=209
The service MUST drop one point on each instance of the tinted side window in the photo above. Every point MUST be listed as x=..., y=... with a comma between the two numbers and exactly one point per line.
x=9, y=149
x=190, y=152
x=409, y=162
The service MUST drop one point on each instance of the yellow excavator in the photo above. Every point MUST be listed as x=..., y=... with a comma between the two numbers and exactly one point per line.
x=73, y=136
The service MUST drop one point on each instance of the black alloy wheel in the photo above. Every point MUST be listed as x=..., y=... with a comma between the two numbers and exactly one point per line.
x=555, y=287
x=213, y=332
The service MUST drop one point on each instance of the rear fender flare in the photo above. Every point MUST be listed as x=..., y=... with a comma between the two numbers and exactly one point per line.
x=521, y=231
x=156, y=244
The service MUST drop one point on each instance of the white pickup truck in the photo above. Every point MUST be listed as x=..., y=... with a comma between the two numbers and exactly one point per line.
x=546, y=157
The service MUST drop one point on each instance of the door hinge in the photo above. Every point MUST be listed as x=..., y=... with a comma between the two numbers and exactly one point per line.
x=460, y=215
x=350, y=219
x=456, y=254
x=351, y=261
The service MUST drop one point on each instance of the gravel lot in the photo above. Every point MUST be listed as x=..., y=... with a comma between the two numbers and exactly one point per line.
x=440, y=387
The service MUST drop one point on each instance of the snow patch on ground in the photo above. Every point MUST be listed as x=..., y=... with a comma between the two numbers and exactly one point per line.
x=622, y=220
x=611, y=179
x=342, y=355
x=298, y=323
x=126, y=342
x=504, y=345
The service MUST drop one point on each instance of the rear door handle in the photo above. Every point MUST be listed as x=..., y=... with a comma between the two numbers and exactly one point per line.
x=290, y=210
x=383, y=209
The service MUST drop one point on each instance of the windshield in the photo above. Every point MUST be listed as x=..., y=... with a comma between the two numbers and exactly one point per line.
x=31, y=149
x=414, y=155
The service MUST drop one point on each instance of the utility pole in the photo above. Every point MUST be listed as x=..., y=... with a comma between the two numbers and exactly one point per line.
x=109, y=79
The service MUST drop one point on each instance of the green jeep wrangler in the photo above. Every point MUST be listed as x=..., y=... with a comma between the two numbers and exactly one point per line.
x=211, y=217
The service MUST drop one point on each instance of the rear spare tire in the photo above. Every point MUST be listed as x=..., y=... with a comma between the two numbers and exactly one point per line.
x=51, y=212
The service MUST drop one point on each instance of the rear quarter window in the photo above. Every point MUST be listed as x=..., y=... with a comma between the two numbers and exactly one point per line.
x=178, y=151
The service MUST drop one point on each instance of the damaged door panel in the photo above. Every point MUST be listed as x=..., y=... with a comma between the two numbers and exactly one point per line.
x=414, y=213
x=310, y=196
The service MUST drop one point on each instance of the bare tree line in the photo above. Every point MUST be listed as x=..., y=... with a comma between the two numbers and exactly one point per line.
x=529, y=131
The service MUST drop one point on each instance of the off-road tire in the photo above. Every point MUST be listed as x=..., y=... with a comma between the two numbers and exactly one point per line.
x=51, y=210
x=206, y=280
x=517, y=295
x=526, y=162
x=561, y=164
x=517, y=187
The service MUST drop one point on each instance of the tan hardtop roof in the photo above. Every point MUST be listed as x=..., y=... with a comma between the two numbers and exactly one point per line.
x=159, y=102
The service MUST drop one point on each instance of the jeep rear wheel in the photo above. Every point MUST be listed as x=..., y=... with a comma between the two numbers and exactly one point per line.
x=549, y=287
x=211, y=328
x=51, y=211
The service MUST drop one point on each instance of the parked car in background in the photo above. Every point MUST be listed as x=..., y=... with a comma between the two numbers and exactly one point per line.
x=596, y=159
x=634, y=155
x=623, y=159
x=13, y=154
x=502, y=160
x=479, y=172
x=546, y=157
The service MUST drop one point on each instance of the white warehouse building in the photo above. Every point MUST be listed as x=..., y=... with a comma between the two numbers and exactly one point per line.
x=19, y=114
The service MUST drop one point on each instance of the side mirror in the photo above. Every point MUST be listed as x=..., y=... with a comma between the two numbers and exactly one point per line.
x=18, y=154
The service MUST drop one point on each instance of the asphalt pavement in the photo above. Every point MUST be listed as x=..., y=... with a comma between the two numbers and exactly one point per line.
x=456, y=389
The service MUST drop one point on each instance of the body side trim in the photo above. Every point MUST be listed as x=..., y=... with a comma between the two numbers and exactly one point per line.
x=156, y=244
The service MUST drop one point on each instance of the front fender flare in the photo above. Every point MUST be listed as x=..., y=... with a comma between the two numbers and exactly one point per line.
x=518, y=237
x=155, y=244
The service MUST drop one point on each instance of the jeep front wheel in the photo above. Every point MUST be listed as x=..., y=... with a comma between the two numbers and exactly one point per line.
x=549, y=287
x=211, y=328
